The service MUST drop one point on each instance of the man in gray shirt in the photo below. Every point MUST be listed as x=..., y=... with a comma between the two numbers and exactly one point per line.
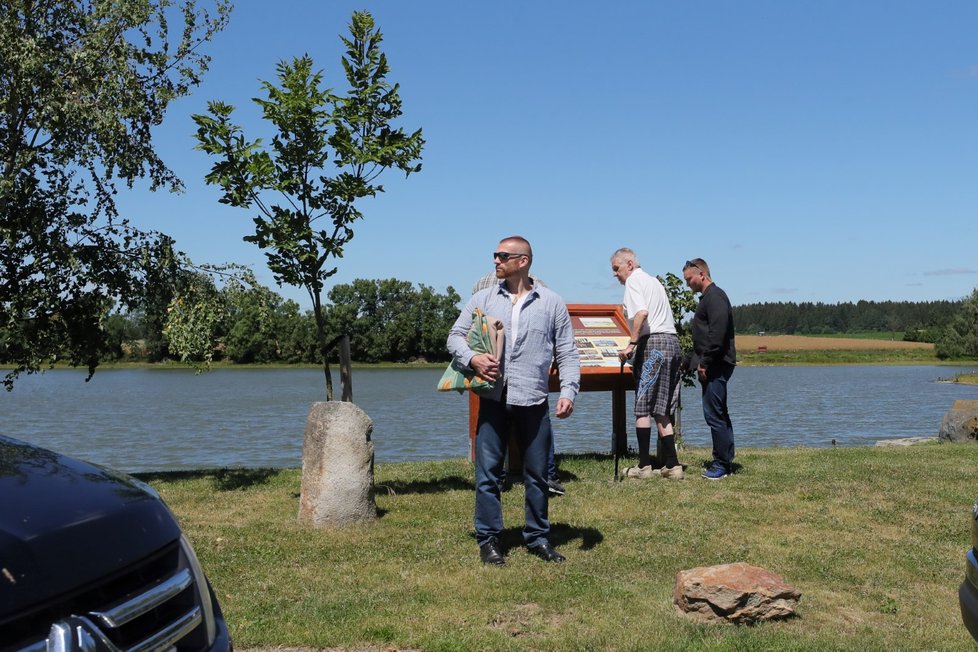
x=537, y=331
x=553, y=480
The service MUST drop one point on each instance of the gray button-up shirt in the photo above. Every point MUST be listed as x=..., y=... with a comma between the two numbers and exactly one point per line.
x=545, y=334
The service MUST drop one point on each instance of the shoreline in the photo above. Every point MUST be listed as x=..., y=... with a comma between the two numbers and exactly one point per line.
x=770, y=359
x=182, y=474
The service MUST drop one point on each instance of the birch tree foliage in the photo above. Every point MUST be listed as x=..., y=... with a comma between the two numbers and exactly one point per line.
x=82, y=85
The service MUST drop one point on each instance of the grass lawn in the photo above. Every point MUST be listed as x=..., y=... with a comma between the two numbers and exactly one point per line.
x=873, y=537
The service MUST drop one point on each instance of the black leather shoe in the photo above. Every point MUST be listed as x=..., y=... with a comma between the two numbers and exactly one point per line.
x=489, y=553
x=555, y=488
x=546, y=552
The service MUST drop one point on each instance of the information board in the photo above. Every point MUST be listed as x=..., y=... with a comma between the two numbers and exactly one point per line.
x=600, y=331
x=599, y=339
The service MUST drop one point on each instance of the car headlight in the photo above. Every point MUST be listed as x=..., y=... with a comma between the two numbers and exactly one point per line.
x=203, y=589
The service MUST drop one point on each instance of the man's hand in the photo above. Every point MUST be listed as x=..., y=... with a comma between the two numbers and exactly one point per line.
x=486, y=366
x=626, y=353
x=564, y=408
x=701, y=372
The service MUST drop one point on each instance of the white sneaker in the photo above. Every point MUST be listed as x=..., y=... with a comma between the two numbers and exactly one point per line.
x=675, y=473
x=640, y=472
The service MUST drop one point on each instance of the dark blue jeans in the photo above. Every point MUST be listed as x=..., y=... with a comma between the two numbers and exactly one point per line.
x=534, y=435
x=716, y=414
x=551, y=461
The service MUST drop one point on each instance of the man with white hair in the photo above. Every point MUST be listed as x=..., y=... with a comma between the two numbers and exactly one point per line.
x=656, y=358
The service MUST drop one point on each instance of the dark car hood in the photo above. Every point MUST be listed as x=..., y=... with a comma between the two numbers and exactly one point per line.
x=55, y=513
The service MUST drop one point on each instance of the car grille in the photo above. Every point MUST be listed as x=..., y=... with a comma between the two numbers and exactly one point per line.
x=152, y=606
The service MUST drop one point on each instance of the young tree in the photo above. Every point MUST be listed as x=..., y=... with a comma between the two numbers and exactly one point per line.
x=82, y=84
x=316, y=130
x=960, y=336
x=682, y=300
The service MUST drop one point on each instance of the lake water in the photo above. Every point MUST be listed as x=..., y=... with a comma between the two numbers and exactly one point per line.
x=165, y=419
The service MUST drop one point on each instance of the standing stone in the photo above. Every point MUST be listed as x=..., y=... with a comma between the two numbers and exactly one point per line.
x=337, y=466
x=733, y=593
x=961, y=422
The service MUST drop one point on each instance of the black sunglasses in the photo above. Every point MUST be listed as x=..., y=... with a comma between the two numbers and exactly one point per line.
x=503, y=256
x=690, y=263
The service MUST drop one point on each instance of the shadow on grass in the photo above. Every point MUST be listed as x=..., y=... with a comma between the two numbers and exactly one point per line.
x=586, y=457
x=437, y=485
x=735, y=467
x=561, y=534
x=222, y=479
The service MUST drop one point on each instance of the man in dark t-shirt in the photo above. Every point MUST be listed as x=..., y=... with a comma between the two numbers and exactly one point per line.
x=714, y=357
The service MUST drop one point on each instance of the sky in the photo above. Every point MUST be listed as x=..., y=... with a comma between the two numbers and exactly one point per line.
x=821, y=151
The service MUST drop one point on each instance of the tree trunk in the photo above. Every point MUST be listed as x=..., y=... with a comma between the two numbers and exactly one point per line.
x=346, y=373
x=323, y=346
x=329, y=379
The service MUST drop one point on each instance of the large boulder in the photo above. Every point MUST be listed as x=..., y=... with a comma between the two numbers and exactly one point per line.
x=733, y=593
x=337, y=466
x=961, y=422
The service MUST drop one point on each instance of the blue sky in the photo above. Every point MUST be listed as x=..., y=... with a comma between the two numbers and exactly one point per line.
x=809, y=151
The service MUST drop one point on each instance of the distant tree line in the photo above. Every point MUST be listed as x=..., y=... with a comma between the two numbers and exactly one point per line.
x=952, y=326
x=390, y=320
x=917, y=321
x=387, y=320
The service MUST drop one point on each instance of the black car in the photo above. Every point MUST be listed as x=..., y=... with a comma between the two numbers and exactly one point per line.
x=968, y=593
x=93, y=560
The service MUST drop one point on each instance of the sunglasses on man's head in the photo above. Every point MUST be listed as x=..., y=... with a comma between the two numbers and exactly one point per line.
x=690, y=263
x=503, y=256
